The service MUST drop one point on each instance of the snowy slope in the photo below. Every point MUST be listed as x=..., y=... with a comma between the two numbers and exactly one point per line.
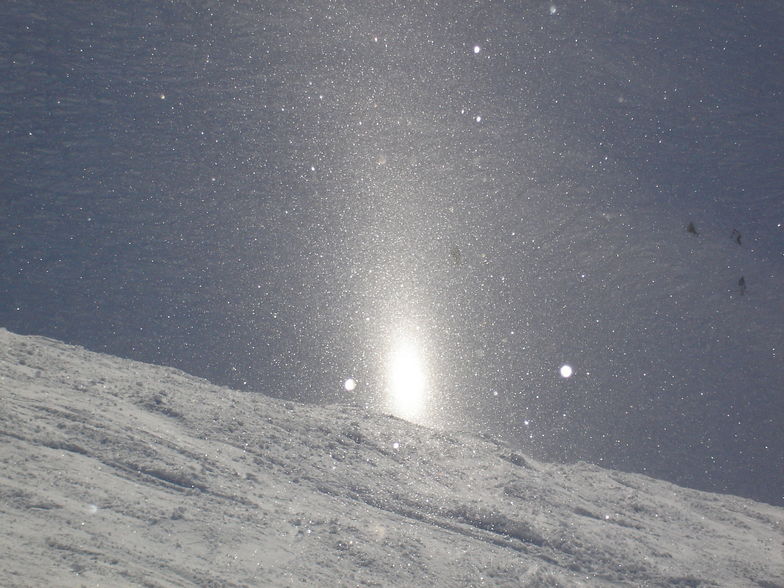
x=122, y=473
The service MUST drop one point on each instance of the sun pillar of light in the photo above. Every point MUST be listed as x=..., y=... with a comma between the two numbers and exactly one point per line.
x=406, y=379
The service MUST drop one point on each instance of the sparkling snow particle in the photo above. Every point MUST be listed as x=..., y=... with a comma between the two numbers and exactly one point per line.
x=477, y=48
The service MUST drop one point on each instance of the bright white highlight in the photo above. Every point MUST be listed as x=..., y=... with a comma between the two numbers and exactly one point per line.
x=477, y=48
x=350, y=384
x=566, y=371
x=407, y=381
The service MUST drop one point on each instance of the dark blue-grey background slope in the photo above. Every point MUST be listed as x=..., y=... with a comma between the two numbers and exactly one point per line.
x=264, y=193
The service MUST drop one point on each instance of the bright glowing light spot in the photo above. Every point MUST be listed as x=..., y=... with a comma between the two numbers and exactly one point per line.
x=478, y=119
x=566, y=371
x=350, y=384
x=553, y=9
x=396, y=445
x=407, y=380
x=477, y=48
x=163, y=96
x=526, y=422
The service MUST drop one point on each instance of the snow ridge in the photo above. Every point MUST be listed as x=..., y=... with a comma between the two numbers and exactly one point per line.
x=122, y=473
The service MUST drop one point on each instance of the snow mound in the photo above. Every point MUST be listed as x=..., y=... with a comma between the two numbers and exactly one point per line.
x=122, y=473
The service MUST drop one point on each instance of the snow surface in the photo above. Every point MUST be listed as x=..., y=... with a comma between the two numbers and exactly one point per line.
x=123, y=473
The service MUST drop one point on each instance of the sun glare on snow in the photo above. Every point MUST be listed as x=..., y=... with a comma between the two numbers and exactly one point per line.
x=407, y=380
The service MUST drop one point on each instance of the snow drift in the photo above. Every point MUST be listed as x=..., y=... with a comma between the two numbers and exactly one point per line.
x=122, y=473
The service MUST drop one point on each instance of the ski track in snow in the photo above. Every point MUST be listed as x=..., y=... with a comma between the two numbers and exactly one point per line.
x=122, y=473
